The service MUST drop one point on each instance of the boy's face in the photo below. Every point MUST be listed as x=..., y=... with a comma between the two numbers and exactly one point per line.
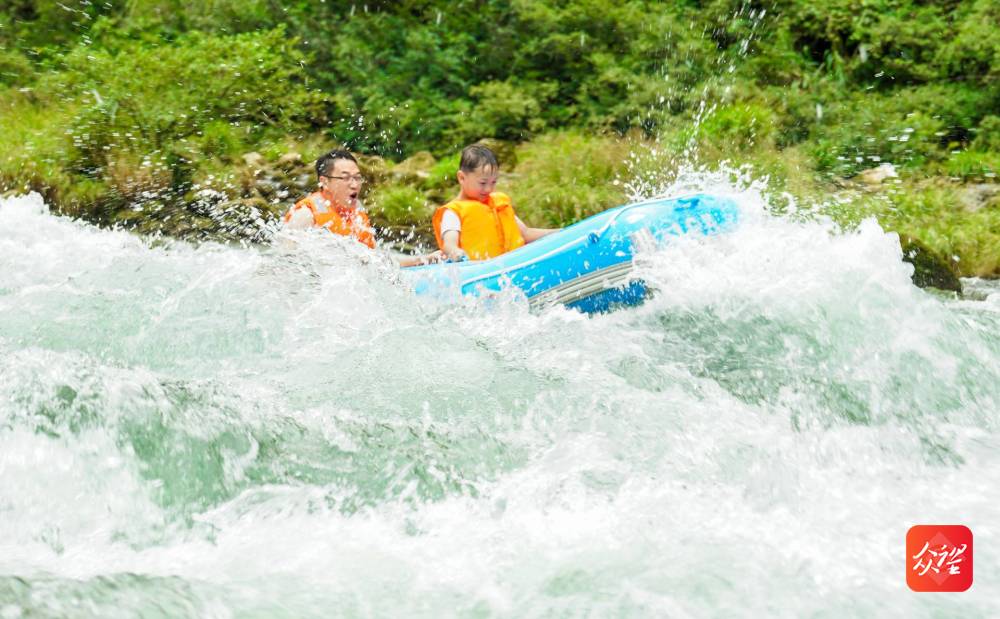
x=479, y=184
x=342, y=184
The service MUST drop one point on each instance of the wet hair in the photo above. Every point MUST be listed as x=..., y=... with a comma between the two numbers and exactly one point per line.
x=477, y=156
x=325, y=163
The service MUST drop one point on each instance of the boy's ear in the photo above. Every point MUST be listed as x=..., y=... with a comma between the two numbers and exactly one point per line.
x=460, y=176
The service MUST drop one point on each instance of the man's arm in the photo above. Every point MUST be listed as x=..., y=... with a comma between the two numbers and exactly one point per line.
x=415, y=261
x=300, y=219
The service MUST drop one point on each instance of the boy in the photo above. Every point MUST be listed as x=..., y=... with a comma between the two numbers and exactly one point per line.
x=336, y=207
x=480, y=223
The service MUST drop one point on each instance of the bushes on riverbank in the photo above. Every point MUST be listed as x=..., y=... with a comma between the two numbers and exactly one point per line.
x=130, y=111
x=132, y=122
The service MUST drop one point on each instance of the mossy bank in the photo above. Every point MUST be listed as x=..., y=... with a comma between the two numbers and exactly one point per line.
x=201, y=120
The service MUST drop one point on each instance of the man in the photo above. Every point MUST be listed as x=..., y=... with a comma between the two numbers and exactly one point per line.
x=336, y=207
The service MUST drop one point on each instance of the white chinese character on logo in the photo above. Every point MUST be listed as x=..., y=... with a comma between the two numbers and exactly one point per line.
x=954, y=559
x=938, y=558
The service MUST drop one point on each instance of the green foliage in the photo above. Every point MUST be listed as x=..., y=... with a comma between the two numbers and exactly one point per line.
x=971, y=50
x=501, y=110
x=936, y=216
x=400, y=77
x=39, y=24
x=212, y=15
x=971, y=165
x=221, y=140
x=741, y=126
x=988, y=135
x=397, y=205
x=155, y=96
x=442, y=175
x=15, y=69
x=864, y=131
x=106, y=102
x=142, y=119
x=33, y=146
x=465, y=70
x=564, y=177
x=137, y=121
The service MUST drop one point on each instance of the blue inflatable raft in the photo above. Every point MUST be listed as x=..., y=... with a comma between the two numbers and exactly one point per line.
x=588, y=265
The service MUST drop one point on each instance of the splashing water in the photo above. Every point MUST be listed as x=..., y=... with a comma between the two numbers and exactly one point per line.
x=275, y=431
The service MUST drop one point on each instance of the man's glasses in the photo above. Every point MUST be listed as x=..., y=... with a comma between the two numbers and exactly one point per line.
x=348, y=178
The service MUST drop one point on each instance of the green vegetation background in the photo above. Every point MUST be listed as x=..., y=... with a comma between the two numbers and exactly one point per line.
x=185, y=116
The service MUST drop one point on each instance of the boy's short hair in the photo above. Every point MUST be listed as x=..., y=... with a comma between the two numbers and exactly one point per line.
x=325, y=163
x=477, y=156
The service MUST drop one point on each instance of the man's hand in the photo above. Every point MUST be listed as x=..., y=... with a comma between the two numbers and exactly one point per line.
x=416, y=261
x=431, y=258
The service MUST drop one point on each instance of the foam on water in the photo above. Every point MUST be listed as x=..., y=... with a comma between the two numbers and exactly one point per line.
x=286, y=431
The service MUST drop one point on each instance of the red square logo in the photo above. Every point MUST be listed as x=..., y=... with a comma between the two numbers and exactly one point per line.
x=939, y=557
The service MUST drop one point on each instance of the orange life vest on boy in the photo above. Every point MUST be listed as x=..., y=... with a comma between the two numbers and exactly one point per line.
x=488, y=230
x=345, y=221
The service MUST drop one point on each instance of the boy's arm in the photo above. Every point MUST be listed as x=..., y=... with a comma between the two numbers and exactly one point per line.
x=533, y=234
x=450, y=242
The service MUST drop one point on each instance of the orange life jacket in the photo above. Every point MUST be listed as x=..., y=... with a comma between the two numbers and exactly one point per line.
x=346, y=221
x=488, y=230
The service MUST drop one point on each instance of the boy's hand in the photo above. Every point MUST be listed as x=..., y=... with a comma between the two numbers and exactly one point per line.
x=455, y=254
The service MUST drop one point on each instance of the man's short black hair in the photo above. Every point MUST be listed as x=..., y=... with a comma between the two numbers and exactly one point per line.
x=324, y=165
x=478, y=156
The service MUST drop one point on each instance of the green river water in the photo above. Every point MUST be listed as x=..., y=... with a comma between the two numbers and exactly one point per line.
x=286, y=431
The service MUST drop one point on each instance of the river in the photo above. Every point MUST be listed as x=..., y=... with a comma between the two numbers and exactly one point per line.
x=286, y=431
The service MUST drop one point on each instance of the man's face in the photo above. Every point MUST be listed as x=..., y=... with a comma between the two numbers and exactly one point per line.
x=478, y=185
x=342, y=183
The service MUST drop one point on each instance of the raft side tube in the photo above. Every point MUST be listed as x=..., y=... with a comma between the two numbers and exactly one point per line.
x=587, y=265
